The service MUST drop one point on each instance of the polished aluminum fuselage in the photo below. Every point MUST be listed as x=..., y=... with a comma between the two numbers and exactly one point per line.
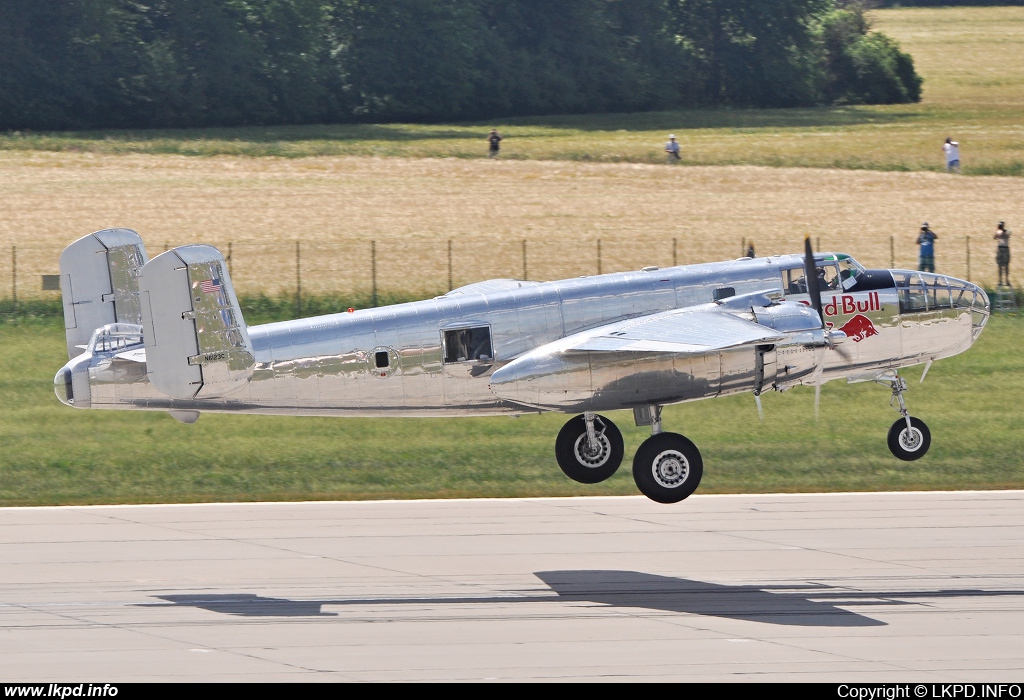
x=330, y=365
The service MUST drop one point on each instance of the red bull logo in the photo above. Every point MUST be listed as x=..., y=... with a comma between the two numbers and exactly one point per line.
x=858, y=328
x=847, y=304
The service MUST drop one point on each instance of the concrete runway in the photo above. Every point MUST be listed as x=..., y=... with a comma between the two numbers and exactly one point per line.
x=868, y=588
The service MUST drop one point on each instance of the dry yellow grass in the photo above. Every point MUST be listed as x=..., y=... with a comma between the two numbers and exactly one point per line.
x=411, y=207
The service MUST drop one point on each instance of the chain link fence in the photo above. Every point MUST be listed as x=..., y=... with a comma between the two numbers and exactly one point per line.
x=424, y=268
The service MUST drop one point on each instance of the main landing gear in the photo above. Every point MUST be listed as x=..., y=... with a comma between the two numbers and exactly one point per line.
x=909, y=437
x=589, y=448
x=666, y=468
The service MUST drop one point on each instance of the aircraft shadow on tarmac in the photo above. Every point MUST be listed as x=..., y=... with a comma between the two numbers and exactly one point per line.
x=808, y=605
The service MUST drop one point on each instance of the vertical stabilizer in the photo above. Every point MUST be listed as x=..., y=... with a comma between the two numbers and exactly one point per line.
x=197, y=346
x=99, y=283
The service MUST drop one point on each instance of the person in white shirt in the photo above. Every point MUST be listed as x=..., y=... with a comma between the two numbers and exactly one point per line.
x=952, y=150
x=672, y=149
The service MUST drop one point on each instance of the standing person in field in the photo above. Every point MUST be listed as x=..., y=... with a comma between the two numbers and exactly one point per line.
x=926, y=244
x=494, y=139
x=1003, y=253
x=672, y=149
x=750, y=250
x=952, y=150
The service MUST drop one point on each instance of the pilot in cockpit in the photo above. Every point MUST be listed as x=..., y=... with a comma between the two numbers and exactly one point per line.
x=827, y=278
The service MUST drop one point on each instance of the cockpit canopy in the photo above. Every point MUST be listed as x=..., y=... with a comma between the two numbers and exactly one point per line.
x=835, y=271
x=115, y=337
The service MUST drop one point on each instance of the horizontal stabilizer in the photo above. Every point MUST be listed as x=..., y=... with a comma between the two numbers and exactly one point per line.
x=196, y=342
x=99, y=283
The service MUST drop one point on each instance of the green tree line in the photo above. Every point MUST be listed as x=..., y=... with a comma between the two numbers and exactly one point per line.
x=90, y=64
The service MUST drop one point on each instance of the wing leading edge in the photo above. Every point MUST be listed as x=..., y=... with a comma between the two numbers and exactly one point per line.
x=675, y=332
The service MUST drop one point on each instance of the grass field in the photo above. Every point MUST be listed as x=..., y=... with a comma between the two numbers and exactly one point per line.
x=57, y=455
x=856, y=179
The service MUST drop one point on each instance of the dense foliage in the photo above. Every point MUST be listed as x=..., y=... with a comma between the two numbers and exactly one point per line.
x=83, y=64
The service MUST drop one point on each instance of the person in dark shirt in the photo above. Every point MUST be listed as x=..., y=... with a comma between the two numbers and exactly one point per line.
x=926, y=245
x=1003, y=252
x=494, y=139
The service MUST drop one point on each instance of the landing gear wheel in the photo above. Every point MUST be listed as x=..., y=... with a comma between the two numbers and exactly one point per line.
x=578, y=461
x=909, y=445
x=667, y=468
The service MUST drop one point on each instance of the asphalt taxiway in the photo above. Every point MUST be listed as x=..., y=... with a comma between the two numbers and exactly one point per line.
x=859, y=588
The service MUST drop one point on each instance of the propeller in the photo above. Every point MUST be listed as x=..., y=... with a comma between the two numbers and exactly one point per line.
x=814, y=291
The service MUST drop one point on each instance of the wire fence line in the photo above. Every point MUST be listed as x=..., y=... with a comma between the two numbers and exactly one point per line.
x=298, y=268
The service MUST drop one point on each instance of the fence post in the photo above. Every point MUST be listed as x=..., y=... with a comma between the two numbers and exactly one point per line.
x=743, y=246
x=675, y=259
x=14, y=281
x=229, y=258
x=525, y=277
x=892, y=252
x=599, y=256
x=818, y=246
x=298, y=281
x=968, y=258
x=450, y=285
x=373, y=271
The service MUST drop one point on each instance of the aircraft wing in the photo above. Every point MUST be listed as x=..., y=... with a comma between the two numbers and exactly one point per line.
x=675, y=332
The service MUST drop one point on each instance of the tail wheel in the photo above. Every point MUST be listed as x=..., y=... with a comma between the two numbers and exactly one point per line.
x=909, y=444
x=585, y=463
x=667, y=468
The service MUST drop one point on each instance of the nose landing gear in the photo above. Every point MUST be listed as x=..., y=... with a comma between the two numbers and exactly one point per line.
x=909, y=437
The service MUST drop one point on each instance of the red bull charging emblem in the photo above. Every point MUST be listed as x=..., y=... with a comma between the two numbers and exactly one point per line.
x=858, y=328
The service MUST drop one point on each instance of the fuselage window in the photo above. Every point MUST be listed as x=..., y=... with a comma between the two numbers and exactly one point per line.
x=380, y=358
x=724, y=293
x=467, y=344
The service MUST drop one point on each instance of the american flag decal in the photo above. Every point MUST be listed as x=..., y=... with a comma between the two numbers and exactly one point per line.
x=210, y=286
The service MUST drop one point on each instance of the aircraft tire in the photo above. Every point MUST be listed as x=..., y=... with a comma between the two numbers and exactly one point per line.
x=909, y=445
x=667, y=468
x=570, y=450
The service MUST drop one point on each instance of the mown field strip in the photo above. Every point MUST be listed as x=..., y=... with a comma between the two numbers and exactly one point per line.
x=411, y=208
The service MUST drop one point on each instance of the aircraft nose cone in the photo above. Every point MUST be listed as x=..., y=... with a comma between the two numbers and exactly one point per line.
x=62, y=387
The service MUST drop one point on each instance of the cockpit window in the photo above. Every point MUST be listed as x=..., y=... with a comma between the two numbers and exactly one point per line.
x=828, y=278
x=849, y=271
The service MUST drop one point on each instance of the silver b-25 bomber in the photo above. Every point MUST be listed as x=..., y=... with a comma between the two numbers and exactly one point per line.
x=167, y=334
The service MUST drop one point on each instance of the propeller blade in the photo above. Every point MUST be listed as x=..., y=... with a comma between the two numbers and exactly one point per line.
x=811, y=275
x=760, y=411
x=927, y=366
x=817, y=400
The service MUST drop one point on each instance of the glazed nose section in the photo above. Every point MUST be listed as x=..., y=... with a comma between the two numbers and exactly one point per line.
x=980, y=311
x=982, y=296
